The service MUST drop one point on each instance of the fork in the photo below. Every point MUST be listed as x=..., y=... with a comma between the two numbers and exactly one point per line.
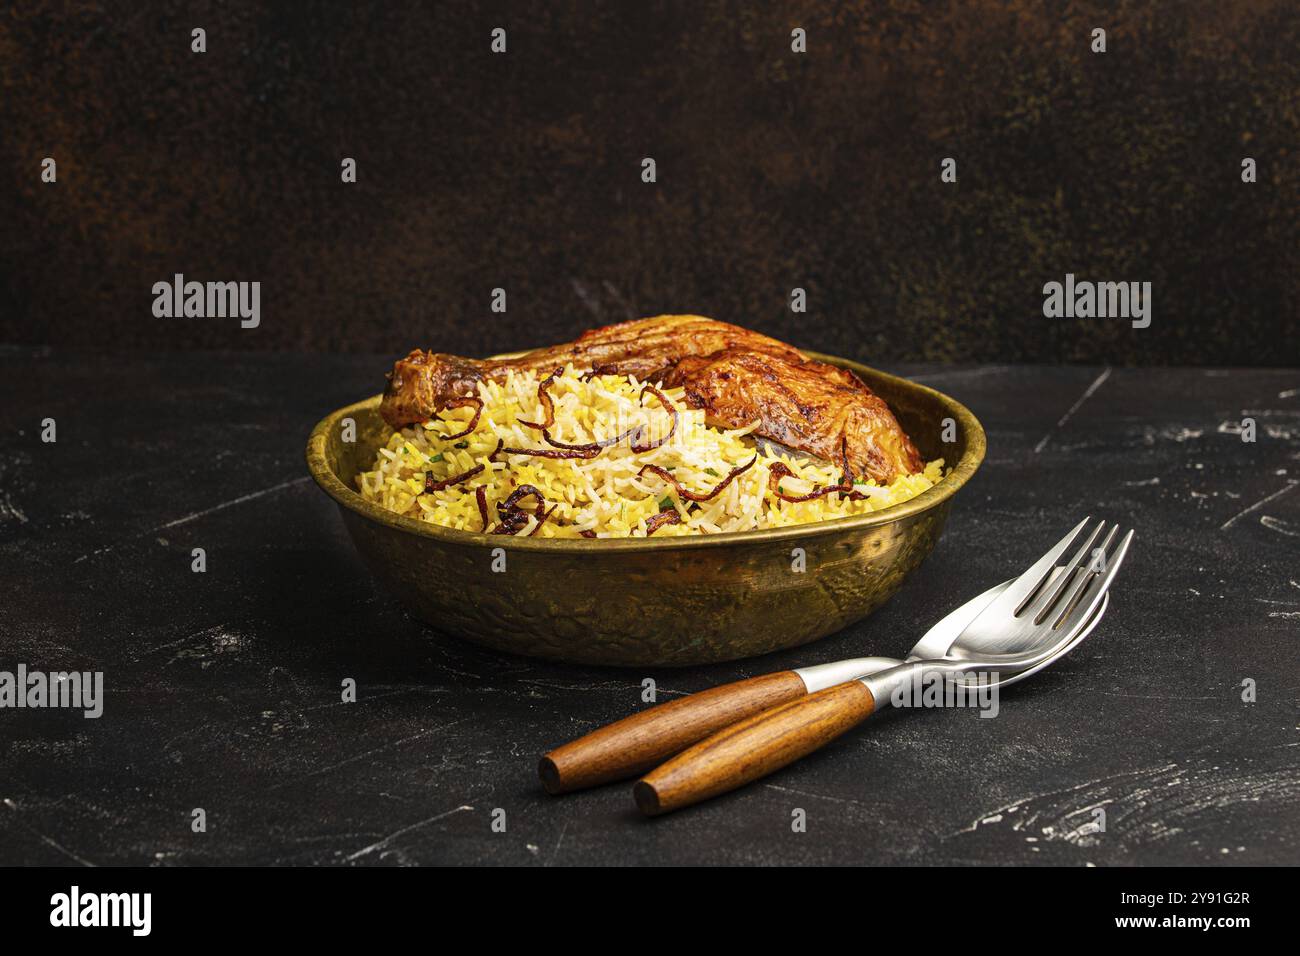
x=637, y=744
x=1039, y=613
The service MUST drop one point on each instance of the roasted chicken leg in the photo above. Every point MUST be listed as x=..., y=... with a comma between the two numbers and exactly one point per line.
x=735, y=375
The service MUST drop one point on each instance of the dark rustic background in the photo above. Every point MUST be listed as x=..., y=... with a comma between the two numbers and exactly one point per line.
x=775, y=171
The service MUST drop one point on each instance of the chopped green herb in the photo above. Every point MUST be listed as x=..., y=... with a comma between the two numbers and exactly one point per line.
x=461, y=444
x=666, y=504
x=434, y=459
x=710, y=471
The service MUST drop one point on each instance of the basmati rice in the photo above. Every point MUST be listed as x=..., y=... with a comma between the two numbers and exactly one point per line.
x=605, y=496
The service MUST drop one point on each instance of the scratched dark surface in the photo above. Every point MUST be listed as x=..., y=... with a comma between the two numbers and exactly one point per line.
x=775, y=171
x=223, y=688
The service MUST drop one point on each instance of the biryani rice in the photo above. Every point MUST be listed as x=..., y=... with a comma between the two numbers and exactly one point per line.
x=604, y=496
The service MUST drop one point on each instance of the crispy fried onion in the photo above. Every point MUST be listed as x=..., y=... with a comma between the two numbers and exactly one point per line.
x=667, y=476
x=514, y=518
x=463, y=403
x=542, y=520
x=576, y=451
x=561, y=450
x=431, y=486
x=544, y=397
x=637, y=446
x=600, y=370
x=591, y=449
x=845, y=487
x=480, y=498
x=657, y=521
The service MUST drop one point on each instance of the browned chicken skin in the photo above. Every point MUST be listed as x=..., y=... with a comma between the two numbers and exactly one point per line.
x=646, y=348
x=735, y=375
x=809, y=406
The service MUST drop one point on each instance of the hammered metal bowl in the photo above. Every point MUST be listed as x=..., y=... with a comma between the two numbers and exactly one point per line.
x=652, y=601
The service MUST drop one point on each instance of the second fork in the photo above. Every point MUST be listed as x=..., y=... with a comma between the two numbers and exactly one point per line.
x=1023, y=627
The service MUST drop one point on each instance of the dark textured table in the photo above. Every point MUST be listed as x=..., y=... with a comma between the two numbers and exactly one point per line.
x=222, y=689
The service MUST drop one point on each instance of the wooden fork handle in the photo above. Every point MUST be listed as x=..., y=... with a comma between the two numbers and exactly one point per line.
x=753, y=748
x=633, y=745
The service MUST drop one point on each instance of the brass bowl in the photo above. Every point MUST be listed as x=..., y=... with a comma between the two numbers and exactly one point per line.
x=652, y=601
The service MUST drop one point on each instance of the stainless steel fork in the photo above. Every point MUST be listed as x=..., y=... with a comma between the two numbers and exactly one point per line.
x=1023, y=628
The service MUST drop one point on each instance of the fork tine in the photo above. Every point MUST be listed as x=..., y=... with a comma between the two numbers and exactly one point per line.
x=1076, y=610
x=1024, y=586
x=1076, y=579
x=1046, y=599
x=1079, y=583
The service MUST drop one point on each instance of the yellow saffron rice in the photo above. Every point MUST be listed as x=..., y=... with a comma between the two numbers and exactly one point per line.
x=604, y=495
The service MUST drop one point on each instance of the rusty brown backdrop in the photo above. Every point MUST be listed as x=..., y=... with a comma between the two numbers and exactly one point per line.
x=775, y=171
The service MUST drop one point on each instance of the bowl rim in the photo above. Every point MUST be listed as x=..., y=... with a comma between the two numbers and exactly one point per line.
x=961, y=473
